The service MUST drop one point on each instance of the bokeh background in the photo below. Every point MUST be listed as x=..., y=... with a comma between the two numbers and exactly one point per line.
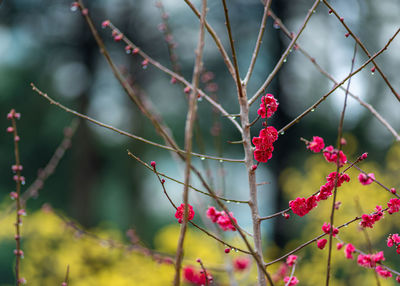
x=97, y=185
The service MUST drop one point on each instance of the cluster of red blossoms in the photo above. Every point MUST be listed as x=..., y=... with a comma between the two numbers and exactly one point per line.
x=368, y=220
x=180, y=211
x=221, y=218
x=302, y=206
x=331, y=154
x=394, y=239
x=196, y=277
x=370, y=260
x=326, y=227
x=268, y=135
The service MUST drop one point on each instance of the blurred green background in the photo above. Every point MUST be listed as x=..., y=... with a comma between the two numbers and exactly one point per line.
x=96, y=183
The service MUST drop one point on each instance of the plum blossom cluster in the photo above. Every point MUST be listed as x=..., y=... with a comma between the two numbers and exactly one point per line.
x=268, y=135
x=383, y=273
x=370, y=260
x=302, y=206
x=394, y=240
x=330, y=153
x=349, y=250
x=368, y=220
x=326, y=227
x=190, y=274
x=221, y=218
x=393, y=206
x=180, y=211
x=333, y=155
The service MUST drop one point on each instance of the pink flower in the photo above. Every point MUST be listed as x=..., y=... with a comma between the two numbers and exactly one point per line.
x=332, y=177
x=365, y=261
x=225, y=223
x=105, y=24
x=348, y=251
x=321, y=243
x=393, y=205
x=221, y=218
x=196, y=277
x=366, y=179
x=181, y=209
x=263, y=155
x=327, y=228
x=331, y=155
x=398, y=279
x=299, y=206
x=291, y=260
x=268, y=106
x=316, y=145
x=213, y=214
x=382, y=272
x=394, y=239
x=241, y=264
x=269, y=134
x=263, y=143
x=325, y=191
x=293, y=280
x=339, y=245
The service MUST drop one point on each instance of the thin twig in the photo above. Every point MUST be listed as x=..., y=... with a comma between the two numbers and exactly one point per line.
x=192, y=223
x=258, y=42
x=19, y=211
x=312, y=107
x=285, y=54
x=190, y=119
x=238, y=81
x=175, y=75
x=291, y=275
x=130, y=135
x=363, y=48
x=314, y=239
x=339, y=147
x=216, y=39
x=369, y=107
x=48, y=170
x=228, y=200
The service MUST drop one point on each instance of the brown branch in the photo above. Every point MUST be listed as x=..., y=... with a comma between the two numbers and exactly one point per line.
x=369, y=107
x=190, y=119
x=312, y=107
x=284, y=55
x=176, y=76
x=363, y=48
x=18, y=178
x=238, y=81
x=339, y=147
x=33, y=190
x=194, y=224
x=216, y=39
x=258, y=42
x=130, y=135
x=228, y=200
